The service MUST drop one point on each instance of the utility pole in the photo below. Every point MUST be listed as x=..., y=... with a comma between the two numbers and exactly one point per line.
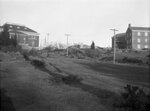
x=67, y=41
x=114, y=44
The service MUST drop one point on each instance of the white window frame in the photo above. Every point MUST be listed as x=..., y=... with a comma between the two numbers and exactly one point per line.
x=146, y=40
x=139, y=33
x=138, y=40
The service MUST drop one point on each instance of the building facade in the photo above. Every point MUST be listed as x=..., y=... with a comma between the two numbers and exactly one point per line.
x=120, y=41
x=25, y=36
x=137, y=37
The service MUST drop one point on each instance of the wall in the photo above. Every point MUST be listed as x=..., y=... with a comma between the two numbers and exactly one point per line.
x=139, y=41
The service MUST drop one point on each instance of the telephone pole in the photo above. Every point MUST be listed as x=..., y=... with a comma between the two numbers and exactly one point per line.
x=67, y=41
x=114, y=30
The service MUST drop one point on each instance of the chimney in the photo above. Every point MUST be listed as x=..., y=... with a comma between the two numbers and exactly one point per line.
x=129, y=25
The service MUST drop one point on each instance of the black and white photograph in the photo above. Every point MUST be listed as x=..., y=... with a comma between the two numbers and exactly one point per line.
x=75, y=55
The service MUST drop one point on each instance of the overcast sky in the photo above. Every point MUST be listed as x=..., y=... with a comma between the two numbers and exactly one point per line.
x=85, y=20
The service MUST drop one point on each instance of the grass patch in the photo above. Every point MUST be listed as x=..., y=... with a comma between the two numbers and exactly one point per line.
x=6, y=102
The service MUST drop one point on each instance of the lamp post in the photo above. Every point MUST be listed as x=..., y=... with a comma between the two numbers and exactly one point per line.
x=114, y=59
x=67, y=41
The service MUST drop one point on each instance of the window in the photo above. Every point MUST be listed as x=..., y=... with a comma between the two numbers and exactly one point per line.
x=138, y=40
x=25, y=28
x=146, y=34
x=18, y=27
x=138, y=33
x=138, y=46
x=145, y=46
x=145, y=40
x=10, y=26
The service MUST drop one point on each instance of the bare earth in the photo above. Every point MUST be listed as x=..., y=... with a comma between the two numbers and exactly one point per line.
x=31, y=89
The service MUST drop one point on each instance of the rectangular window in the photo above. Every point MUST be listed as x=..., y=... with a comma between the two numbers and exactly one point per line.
x=138, y=46
x=145, y=40
x=138, y=33
x=138, y=40
x=146, y=34
x=145, y=46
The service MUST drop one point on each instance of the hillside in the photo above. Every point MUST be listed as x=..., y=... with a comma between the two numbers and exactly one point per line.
x=65, y=83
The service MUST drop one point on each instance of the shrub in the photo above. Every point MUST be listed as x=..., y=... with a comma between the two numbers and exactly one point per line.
x=33, y=52
x=26, y=57
x=38, y=63
x=134, y=99
x=92, y=53
x=131, y=60
x=71, y=79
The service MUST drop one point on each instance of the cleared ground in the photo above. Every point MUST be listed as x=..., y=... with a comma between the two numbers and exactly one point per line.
x=32, y=89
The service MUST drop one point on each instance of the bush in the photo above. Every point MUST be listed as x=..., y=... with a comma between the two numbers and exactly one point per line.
x=38, y=63
x=131, y=60
x=72, y=79
x=92, y=53
x=33, y=52
x=134, y=99
x=10, y=48
x=26, y=57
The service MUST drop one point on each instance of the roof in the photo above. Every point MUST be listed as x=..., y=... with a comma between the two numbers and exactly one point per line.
x=120, y=35
x=140, y=28
x=18, y=27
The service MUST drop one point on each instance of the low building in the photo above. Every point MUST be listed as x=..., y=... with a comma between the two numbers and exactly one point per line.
x=120, y=41
x=137, y=37
x=25, y=36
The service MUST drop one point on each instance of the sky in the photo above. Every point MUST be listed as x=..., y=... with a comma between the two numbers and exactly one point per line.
x=85, y=20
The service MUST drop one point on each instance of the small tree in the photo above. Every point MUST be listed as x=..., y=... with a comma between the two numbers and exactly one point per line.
x=93, y=45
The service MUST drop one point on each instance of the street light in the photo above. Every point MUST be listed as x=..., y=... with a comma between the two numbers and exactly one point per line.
x=67, y=41
x=114, y=44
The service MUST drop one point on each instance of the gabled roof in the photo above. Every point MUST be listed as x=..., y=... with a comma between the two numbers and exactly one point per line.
x=18, y=27
x=140, y=28
x=120, y=35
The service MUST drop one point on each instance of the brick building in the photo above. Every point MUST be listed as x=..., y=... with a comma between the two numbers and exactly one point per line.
x=137, y=37
x=25, y=36
x=120, y=41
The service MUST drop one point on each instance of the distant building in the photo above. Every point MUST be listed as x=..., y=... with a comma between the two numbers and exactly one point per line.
x=25, y=36
x=120, y=41
x=137, y=37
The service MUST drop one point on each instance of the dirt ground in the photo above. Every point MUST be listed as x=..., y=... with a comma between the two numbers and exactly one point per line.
x=27, y=88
